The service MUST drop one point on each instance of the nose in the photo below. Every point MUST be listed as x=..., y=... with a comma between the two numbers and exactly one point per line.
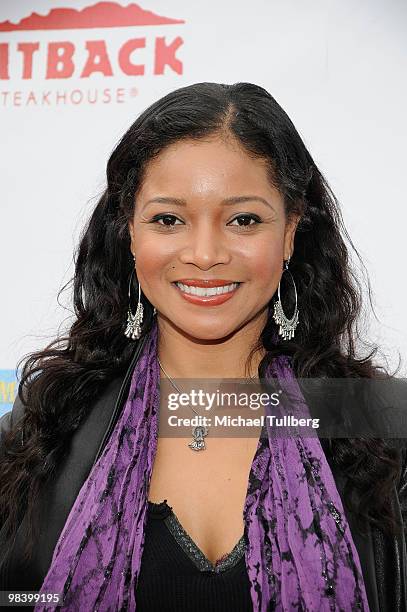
x=205, y=247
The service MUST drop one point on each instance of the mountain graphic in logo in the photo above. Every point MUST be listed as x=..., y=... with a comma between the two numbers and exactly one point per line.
x=100, y=15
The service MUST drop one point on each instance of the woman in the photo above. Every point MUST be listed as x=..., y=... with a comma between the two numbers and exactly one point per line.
x=210, y=187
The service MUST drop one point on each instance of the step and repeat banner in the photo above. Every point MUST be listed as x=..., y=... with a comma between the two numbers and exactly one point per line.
x=74, y=74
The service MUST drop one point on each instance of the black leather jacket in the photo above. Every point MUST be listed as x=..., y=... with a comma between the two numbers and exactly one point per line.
x=383, y=558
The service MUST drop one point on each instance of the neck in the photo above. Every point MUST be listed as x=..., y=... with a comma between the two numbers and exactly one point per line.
x=184, y=356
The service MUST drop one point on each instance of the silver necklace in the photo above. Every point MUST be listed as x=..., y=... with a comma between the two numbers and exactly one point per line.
x=199, y=431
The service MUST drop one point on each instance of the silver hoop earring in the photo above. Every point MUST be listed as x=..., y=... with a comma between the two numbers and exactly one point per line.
x=287, y=326
x=134, y=321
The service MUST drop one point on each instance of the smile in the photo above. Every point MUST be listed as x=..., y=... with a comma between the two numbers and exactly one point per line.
x=206, y=295
x=206, y=291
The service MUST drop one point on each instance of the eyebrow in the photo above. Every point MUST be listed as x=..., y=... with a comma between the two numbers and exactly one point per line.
x=227, y=201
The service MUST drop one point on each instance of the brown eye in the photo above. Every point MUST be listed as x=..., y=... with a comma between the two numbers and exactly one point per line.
x=167, y=220
x=247, y=219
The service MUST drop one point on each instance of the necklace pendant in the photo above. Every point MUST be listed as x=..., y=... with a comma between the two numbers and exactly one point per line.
x=198, y=433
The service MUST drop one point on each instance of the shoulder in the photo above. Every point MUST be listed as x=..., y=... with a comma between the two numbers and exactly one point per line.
x=96, y=417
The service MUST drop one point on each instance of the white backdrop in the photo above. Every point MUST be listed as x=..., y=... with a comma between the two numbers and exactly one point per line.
x=337, y=68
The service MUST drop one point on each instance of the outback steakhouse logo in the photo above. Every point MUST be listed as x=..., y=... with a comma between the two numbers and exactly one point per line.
x=78, y=56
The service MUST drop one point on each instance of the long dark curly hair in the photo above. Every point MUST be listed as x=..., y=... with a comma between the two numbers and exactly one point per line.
x=59, y=384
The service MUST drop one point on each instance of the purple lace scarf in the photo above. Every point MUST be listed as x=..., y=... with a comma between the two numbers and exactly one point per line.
x=299, y=550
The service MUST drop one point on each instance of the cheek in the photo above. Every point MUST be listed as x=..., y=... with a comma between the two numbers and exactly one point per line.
x=263, y=261
x=153, y=260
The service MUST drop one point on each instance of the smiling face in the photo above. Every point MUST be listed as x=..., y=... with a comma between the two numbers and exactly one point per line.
x=206, y=211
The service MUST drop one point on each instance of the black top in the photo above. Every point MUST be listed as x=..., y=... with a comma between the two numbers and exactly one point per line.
x=176, y=576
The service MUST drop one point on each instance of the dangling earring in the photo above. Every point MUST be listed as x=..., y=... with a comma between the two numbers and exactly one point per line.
x=287, y=326
x=134, y=321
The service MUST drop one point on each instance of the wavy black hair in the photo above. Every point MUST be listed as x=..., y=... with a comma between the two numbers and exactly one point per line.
x=60, y=383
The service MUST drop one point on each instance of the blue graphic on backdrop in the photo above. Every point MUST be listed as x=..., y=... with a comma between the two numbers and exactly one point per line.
x=8, y=390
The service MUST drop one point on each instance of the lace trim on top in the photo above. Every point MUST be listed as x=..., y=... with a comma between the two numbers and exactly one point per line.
x=162, y=510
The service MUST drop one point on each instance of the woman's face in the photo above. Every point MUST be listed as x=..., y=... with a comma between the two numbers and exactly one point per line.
x=206, y=211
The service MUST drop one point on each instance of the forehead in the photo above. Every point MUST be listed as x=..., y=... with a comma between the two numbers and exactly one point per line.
x=203, y=167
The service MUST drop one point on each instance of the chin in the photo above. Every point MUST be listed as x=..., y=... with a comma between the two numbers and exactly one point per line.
x=205, y=332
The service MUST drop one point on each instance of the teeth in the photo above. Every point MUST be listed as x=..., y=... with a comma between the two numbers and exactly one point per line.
x=203, y=292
